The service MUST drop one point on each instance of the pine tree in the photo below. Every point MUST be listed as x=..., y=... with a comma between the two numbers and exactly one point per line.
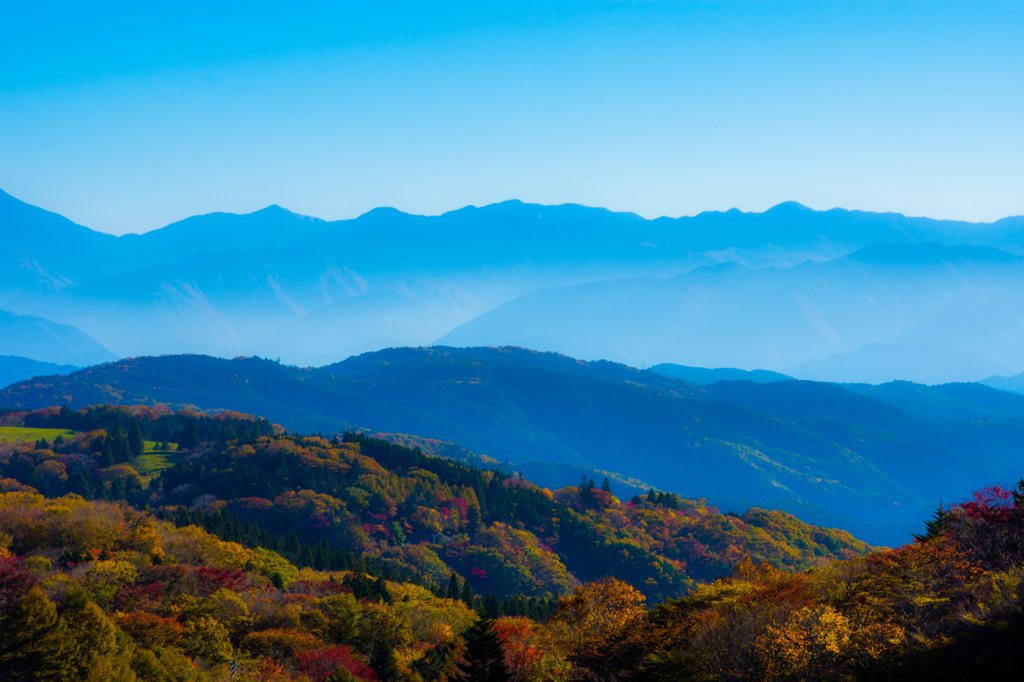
x=79, y=484
x=483, y=660
x=467, y=593
x=35, y=643
x=106, y=456
x=118, y=444
x=226, y=433
x=935, y=526
x=382, y=660
x=453, y=586
x=606, y=485
x=136, y=444
x=189, y=437
x=93, y=632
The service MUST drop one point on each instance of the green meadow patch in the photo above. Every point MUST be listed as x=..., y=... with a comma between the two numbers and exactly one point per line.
x=154, y=460
x=18, y=435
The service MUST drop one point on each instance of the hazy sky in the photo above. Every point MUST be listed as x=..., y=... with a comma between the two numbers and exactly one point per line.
x=125, y=117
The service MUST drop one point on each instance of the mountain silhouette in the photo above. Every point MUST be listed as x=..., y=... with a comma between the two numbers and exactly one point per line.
x=41, y=340
x=926, y=312
x=310, y=291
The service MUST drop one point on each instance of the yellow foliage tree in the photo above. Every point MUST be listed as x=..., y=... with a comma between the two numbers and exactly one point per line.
x=587, y=620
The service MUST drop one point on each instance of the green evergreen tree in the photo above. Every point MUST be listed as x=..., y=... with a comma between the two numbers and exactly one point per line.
x=483, y=660
x=935, y=526
x=380, y=590
x=382, y=660
x=79, y=484
x=226, y=433
x=106, y=455
x=606, y=485
x=136, y=444
x=34, y=642
x=467, y=593
x=189, y=437
x=453, y=586
x=94, y=635
x=118, y=444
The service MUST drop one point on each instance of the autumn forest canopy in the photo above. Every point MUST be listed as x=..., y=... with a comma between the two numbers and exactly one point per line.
x=143, y=543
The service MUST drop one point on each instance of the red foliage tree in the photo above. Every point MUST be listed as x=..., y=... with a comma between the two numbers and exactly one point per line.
x=990, y=526
x=150, y=630
x=210, y=579
x=517, y=637
x=15, y=582
x=320, y=664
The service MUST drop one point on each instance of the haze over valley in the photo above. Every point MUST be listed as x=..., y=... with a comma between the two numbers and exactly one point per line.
x=854, y=297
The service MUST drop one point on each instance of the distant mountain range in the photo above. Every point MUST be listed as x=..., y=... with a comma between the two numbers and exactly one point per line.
x=719, y=284
x=14, y=368
x=34, y=338
x=701, y=375
x=924, y=312
x=1012, y=383
x=821, y=451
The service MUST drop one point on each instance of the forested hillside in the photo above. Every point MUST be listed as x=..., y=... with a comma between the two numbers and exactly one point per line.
x=287, y=558
x=327, y=503
x=803, y=445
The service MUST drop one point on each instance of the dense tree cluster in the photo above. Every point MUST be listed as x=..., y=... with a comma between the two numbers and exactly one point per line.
x=156, y=423
x=352, y=558
x=365, y=504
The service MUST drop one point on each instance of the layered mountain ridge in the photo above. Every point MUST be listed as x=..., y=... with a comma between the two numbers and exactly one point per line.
x=278, y=284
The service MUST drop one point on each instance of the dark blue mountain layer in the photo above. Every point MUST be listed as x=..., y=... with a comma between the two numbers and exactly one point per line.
x=703, y=375
x=805, y=442
x=14, y=368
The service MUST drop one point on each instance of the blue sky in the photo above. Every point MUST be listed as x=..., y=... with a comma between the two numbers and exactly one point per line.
x=125, y=118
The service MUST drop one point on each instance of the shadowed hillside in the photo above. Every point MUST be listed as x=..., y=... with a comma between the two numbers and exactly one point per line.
x=759, y=442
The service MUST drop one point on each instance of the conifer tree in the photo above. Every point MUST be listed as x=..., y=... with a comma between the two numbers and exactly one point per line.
x=118, y=444
x=935, y=526
x=93, y=632
x=136, y=444
x=226, y=433
x=483, y=660
x=467, y=593
x=606, y=485
x=189, y=437
x=382, y=660
x=35, y=643
x=453, y=586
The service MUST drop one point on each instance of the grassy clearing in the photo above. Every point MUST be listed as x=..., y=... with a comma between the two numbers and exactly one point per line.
x=153, y=462
x=17, y=435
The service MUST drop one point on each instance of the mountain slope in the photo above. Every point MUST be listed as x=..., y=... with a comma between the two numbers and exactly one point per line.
x=46, y=341
x=1012, y=383
x=946, y=401
x=965, y=298
x=812, y=442
x=14, y=368
x=702, y=375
